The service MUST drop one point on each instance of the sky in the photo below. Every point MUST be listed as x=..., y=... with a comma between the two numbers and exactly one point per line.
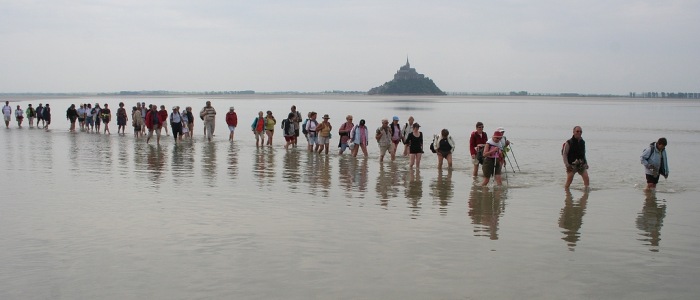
x=590, y=46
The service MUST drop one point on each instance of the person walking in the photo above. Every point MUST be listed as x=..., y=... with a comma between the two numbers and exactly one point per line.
x=444, y=147
x=270, y=123
x=122, y=118
x=407, y=128
x=136, y=120
x=81, y=116
x=47, y=116
x=493, y=159
x=477, y=141
x=164, y=114
x=31, y=114
x=311, y=134
x=72, y=115
x=154, y=122
x=344, y=133
x=324, y=135
x=176, y=123
x=359, y=136
x=19, y=116
x=190, y=122
x=415, y=146
x=655, y=161
x=89, y=118
x=258, y=128
x=574, y=155
x=297, y=122
x=40, y=116
x=7, y=113
x=106, y=114
x=396, y=136
x=383, y=137
x=288, y=130
x=232, y=122
x=97, y=113
x=208, y=115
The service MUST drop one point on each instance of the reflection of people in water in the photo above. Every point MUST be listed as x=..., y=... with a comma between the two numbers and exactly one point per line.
x=442, y=189
x=387, y=184
x=414, y=191
x=571, y=218
x=485, y=209
x=650, y=220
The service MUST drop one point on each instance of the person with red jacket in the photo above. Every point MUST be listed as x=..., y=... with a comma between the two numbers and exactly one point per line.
x=154, y=122
x=232, y=122
x=476, y=142
x=163, y=113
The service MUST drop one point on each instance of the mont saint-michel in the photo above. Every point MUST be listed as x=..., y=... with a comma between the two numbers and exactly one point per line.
x=407, y=82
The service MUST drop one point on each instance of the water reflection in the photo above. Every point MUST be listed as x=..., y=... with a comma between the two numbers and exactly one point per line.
x=209, y=163
x=233, y=161
x=571, y=218
x=485, y=209
x=156, y=164
x=182, y=165
x=387, y=184
x=442, y=190
x=650, y=220
x=414, y=191
x=325, y=176
x=264, y=166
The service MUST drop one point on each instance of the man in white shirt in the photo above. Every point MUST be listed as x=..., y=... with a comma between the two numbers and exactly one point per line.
x=7, y=113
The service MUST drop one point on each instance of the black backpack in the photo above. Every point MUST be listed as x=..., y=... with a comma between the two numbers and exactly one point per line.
x=303, y=127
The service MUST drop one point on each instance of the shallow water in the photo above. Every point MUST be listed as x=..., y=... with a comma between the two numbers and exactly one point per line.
x=94, y=216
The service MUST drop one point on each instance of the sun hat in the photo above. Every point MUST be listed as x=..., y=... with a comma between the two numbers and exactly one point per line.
x=500, y=129
x=396, y=118
x=326, y=116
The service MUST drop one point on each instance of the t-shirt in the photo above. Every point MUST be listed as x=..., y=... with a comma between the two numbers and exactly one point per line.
x=415, y=143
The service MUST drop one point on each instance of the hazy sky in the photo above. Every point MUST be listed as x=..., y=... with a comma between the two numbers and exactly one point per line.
x=588, y=46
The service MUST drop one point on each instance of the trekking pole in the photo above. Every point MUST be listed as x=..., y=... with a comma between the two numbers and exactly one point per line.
x=506, y=171
x=516, y=160
x=510, y=163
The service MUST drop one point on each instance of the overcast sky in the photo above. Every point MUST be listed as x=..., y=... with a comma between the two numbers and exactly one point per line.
x=589, y=46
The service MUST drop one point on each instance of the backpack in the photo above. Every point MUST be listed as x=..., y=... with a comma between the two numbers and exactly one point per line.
x=651, y=150
x=303, y=127
x=432, y=144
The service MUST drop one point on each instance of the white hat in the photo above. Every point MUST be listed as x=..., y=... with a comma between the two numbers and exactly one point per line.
x=501, y=129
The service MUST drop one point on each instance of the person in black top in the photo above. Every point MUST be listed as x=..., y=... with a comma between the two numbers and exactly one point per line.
x=574, y=156
x=415, y=145
x=72, y=115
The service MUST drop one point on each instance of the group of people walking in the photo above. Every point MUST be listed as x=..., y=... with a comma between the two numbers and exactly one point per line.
x=490, y=154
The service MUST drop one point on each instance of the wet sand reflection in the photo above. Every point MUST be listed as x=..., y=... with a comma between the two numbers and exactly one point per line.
x=571, y=218
x=387, y=184
x=650, y=220
x=486, y=207
x=442, y=190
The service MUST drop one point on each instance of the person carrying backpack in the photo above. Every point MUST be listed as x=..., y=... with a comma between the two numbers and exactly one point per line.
x=655, y=161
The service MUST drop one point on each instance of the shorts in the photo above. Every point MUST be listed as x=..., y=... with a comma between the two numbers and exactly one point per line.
x=231, y=128
x=150, y=132
x=8, y=119
x=383, y=149
x=259, y=135
x=90, y=121
x=290, y=138
x=488, y=168
x=312, y=139
x=578, y=168
x=81, y=120
x=475, y=161
x=324, y=140
x=137, y=128
x=396, y=143
x=121, y=121
x=652, y=179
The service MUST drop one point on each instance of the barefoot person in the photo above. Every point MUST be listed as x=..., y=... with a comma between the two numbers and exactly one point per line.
x=444, y=147
x=232, y=122
x=574, y=155
x=415, y=146
x=655, y=162
x=477, y=141
x=493, y=159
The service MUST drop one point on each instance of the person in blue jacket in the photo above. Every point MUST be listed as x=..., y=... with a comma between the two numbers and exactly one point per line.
x=655, y=161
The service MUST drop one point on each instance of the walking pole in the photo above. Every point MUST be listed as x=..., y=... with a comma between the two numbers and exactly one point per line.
x=510, y=163
x=516, y=160
x=506, y=171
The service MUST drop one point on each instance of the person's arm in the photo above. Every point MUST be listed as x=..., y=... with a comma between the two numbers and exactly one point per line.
x=565, y=155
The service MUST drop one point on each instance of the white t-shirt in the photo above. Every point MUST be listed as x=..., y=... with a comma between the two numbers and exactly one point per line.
x=7, y=110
